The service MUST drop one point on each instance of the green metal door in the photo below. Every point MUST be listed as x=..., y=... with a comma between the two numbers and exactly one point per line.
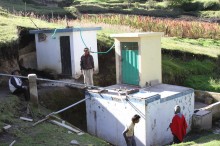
x=130, y=71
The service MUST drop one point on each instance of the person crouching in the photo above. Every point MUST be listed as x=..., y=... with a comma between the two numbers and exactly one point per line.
x=17, y=87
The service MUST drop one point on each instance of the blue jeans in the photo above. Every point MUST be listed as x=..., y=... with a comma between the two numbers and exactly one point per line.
x=131, y=141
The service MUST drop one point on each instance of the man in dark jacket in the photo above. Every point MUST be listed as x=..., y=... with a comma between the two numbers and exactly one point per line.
x=16, y=85
x=87, y=67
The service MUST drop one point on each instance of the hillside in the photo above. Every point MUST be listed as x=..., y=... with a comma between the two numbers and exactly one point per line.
x=191, y=61
x=45, y=133
x=186, y=61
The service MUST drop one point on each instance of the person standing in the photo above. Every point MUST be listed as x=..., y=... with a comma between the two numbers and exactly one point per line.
x=128, y=133
x=178, y=126
x=87, y=67
x=17, y=87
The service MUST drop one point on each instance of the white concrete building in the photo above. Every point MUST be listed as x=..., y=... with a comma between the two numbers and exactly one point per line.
x=108, y=113
x=60, y=50
x=138, y=68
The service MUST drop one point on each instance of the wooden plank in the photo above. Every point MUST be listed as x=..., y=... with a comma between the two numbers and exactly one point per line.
x=13, y=142
x=7, y=127
x=65, y=126
x=26, y=119
x=40, y=121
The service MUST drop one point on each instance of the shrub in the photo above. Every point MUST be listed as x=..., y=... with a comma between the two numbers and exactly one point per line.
x=211, y=5
x=175, y=3
x=91, y=8
x=196, y=6
x=218, y=65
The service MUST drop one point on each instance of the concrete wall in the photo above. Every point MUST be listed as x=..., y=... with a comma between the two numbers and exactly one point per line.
x=107, y=116
x=48, y=51
x=159, y=115
x=149, y=43
x=214, y=109
x=150, y=60
x=203, y=95
x=90, y=39
x=118, y=56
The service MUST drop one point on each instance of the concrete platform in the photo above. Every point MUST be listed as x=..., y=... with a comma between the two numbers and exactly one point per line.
x=162, y=90
x=154, y=104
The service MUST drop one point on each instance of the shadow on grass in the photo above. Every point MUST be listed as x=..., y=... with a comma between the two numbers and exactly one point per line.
x=201, y=138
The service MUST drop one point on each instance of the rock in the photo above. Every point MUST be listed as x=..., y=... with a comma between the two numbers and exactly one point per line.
x=74, y=142
x=28, y=60
x=7, y=127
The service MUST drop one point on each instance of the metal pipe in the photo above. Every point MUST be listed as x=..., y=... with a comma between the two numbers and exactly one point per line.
x=49, y=80
x=53, y=113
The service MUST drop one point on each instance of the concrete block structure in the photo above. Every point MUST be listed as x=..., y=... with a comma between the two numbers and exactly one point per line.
x=60, y=50
x=138, y=58
x=202, y=120
x=139, y=90
x=109, y=113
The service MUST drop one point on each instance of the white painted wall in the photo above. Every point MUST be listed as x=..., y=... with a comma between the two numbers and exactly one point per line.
x=111, y=119
x=159, y=116
x=90, y=39
x=107, y=116
x=48, y=51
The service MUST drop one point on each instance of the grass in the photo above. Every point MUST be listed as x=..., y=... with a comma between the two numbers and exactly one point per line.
x=209, y=47
x=9, y=24
x=204, y=138
x=20, y=6
x=195, y=74
x=200, y=71
x=203, y=82
x=7, y=108
x=209, y=14
x=44, y=134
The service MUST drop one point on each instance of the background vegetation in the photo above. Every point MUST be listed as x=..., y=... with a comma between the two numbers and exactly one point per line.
x=190, y=49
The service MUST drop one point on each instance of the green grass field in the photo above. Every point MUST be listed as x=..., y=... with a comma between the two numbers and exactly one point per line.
x=46, y=133
x=9, y=23
x=209, y=47
x=16, y=6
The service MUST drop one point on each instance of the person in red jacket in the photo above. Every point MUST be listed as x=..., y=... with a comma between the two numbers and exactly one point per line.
x=178, y=125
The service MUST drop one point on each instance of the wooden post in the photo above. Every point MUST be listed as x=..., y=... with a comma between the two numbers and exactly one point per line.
x=33, y=89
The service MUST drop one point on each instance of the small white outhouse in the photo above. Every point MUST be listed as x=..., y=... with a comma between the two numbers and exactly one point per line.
x=138, y=58
x=60, y=50
x=139, y=90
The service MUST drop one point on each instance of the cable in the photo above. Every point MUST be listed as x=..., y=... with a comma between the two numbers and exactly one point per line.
x=56, y=81
x=141, y=114
x=81, y=36
x=53, y=37
x=105, y=51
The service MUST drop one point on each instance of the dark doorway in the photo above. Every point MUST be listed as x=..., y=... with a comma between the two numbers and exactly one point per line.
x=65, y=55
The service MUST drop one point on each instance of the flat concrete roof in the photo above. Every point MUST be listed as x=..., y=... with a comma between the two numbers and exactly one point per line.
x=136, y=34
x=164, y=92
x=72, y=29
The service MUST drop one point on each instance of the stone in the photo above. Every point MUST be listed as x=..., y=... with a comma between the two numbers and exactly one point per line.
x=26, y=119
x=74, y=142
x=7, y=127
